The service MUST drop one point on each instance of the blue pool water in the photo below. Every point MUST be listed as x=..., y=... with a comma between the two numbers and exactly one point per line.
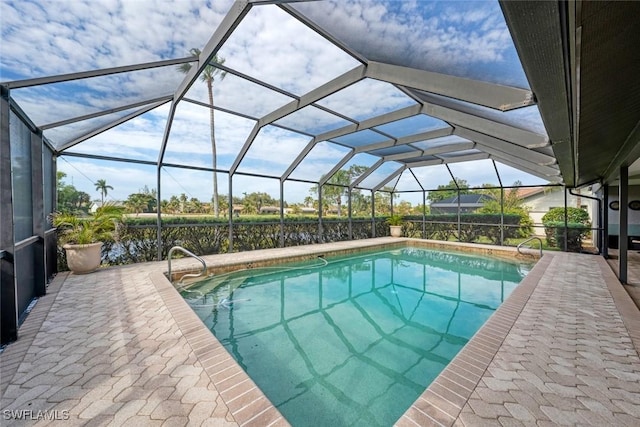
x=352, y=341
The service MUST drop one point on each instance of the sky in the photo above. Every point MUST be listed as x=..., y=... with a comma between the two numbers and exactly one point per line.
x=40, y=38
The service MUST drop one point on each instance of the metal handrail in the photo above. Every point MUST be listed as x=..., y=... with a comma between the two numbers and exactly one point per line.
x=191, y=254
x=528, y=240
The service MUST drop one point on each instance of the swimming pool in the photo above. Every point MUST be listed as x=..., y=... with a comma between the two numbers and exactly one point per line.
x=352, y=340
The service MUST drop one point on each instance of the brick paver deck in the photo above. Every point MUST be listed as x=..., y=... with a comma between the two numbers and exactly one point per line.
x=570, y=357
x=120, y=347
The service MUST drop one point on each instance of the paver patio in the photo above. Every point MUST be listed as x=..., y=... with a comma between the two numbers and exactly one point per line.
x=117, y=348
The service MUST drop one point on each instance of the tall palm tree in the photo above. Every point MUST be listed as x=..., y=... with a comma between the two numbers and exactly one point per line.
x=102, y=187
x=208, y=76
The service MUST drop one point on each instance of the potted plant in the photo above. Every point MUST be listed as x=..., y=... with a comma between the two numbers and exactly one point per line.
x=395, y=225
x=82, y=237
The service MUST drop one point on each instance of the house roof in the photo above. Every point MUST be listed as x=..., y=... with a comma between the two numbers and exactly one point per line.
x=526, y=192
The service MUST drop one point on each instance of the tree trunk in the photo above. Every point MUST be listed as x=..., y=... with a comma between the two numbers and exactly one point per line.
x=216, y=210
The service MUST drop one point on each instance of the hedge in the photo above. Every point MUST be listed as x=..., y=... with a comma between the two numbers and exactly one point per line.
x=472, y=227
x=137, y=237
x=576, y=232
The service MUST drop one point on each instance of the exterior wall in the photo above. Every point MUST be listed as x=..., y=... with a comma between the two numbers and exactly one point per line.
x=634, y=215
x=539, y=204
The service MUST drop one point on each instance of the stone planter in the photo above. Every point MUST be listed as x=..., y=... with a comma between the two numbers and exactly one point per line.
x=83, y=259
x=395, y=230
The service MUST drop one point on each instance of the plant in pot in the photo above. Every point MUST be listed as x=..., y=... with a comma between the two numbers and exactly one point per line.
x=82, y=237
x=395, y=225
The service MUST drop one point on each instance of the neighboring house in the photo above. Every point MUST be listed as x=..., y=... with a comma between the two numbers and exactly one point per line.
x=332, y=210
x=308, y=211
x=273, y=210
x=237, y=210
x=539, y=200
x=468, y=203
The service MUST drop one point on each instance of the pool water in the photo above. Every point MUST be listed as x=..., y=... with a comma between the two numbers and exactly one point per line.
x=353, y=341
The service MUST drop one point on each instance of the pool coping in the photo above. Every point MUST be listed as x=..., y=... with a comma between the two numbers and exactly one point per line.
x=440, y=403
x=224, y=263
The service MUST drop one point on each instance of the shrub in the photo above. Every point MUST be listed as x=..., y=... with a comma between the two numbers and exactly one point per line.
x=574, y=215
x=578, y=227
x=472, y=226
x=575, y=234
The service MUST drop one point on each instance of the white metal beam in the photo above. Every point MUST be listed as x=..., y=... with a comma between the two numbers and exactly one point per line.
x=232, y=19
x=340, y=82
x=505, y=146
x=425, y=136
x=465, y=158
x=553, y=178
x=17, y=84
x=336, y=168
x=498, y=155
x=104, y=112
x=372, y=122
x=389, y=178
x=443, y=149
x=425, y=163
x=477, y=92
x=244, y=149
x=305, y=151
x=366, y=173
x=108, y=126
x=503, y=131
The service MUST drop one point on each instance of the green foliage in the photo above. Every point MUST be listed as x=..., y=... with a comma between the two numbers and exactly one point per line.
x=578, y=227
x=474, y=227
x=144, y=201
x=206, y=235
x=103, y=188
x=511, y=204
x=574, y=215
x=576, y=233
x=76, y=230
x=252, y=202
x=337, y=187
x=394, y=220
x=71, y=200
x=449, y=190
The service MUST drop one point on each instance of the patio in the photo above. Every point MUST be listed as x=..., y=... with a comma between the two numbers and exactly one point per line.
x=110, y=347
x=336, y=108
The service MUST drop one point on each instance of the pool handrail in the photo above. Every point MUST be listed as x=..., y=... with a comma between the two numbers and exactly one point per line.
x=191, y=254
x=527, y=241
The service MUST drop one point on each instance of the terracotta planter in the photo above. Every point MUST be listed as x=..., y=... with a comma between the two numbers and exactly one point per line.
x=83, y=259
x=395, y=230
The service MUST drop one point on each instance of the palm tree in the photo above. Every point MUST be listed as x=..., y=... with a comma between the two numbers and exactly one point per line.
x=102, y=187
x=208, y=76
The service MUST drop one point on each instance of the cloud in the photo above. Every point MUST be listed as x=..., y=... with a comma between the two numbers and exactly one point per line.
x=139, y=138
x=240, y=95
x=321, y=159
x=190, y=141
x=124, y=178
x=42, y=38
x=367, y=98
x=380, y=174
x=312, y=120
x=263, y=50
x=459, y=38
x=272, y=151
